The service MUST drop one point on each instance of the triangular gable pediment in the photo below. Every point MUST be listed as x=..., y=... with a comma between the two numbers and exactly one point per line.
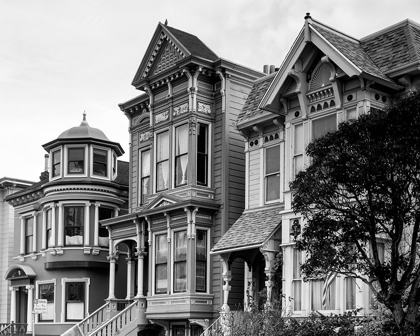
x=164, y=51
x=162, y=200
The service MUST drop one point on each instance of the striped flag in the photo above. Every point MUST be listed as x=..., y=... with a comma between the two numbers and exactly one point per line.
x=327, y=283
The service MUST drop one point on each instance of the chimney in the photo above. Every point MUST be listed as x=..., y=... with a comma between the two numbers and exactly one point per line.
x=266, y=69
x=272, y=69
x=46, y=157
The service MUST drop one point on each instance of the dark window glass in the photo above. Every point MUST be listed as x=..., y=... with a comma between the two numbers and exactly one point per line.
x=48, y=220
x=201, y=261
x=29, y=235
x=104, y=213
x=46, y=292
x=76, y=161
x=272, y=173
x=100, y=162
x=324, y=125
x=73, y=225
x=56, y=163
x=202, y=154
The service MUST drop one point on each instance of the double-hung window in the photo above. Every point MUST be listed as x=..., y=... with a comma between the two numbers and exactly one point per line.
x=202, y=154
x=297, y=280
x=201, y=261
x=161, y=264
x=76, y=161
x=144, y=176
x=56, y=163
x=46, y=292
x=350, y=286
x=298, y=149
x=75, y=301
x=272, y=173
x=180, y=261
x=162, y=161
x=73, y=225
x=181, y=155
x=29, y=235
x=322, y=126
x=48, y=222
x=323, y=294
x=100, y=162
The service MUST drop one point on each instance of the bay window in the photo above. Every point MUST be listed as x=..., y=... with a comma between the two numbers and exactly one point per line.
x=46, y=292
x=181, y=155
x=73, y=225
x=162, y=161
x=56, y=163
x=161, y=264
x=272, y=173
x=298, y=149
x=144, y=176
x=100, y=162
x=48, y=222
x=180, y=261
x=202, y=154
x=29, y=235
x=322, y=126
x=201, y=261
x=76, y=160
x=75, y=301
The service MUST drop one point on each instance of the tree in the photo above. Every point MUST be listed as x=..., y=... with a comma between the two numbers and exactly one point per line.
x=360, y=197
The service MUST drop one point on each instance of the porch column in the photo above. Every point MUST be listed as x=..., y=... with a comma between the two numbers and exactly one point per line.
x=130, y=274
x=112, y=257
x=269, y=257
x=250, y=287
x=13, y=303
x=225, y=311
x=29, y=314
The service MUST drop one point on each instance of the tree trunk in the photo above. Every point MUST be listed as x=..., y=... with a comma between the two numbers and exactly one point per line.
x=407, y=322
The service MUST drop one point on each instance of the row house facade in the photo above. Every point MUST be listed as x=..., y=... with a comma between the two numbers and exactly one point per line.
x=328, y=77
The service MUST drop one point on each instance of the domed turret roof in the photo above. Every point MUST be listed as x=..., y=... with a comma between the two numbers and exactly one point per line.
x=83, y=131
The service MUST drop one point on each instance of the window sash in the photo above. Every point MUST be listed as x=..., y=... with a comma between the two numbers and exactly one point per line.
x=100, y=162
x=75, y=301
x=202, y=154
x=201, y=261
x=180, y=261
x=74, y=225
x=181, y=155
x=317, y=286
x=145, y=177
x=29, y=235
x=46, y=292
x=76, y=161
x=161, y=267
x=56, y=163
x=322, y=126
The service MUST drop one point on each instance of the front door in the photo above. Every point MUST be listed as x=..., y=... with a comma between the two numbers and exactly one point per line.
x=21, y=305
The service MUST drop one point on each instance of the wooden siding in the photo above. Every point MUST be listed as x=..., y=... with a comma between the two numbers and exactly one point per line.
x=134, y=169
x=254, y=178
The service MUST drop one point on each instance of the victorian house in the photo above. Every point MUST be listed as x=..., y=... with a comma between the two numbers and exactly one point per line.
x=59, y=249
x=328, y=77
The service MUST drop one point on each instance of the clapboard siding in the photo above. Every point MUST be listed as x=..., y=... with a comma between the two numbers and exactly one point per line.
x=254, y=178
x=134, y=168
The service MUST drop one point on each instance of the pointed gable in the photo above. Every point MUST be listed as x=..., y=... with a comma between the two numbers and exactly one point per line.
x=167, y=47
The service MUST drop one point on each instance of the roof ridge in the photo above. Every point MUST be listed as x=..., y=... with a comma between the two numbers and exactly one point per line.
x=333, y=30
x=389, y=28
x=408, y=31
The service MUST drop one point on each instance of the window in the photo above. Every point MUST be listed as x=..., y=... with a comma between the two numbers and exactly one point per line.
x=323, y=296
x=161, y=264
x=76, y=160
x=180, y=261
x=178, y=330
x=162, y=161
x=196, y=330
x=48, y=220
x=46, y=292
x=114, y=164
x=272, y=173
x=56, y=163
x=145, y=176
x=297, y=280
x=322, y=126
x=75, y=301
x=104, y=213
x=29, y=235
x=298, y=149
x=351, y=114
x=202, y=154
x=350, y=285
x=201, y=261
x=100, y=162
x=73, y=225
x=181, y=155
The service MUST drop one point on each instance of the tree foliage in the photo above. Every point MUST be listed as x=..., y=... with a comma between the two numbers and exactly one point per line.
x=360, y=192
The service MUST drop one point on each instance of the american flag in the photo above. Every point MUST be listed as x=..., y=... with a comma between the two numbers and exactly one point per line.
x=327, y=283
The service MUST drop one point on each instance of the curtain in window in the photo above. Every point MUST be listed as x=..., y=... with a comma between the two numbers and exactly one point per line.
x=145, y=171
x=181, y=150
x=180, y=258
x=350, y=293
x=162, y=159
x=161, y=269
x=317, y=286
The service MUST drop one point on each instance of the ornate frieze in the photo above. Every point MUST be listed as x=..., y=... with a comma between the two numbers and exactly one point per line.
x=145, y=136
x=204, y=108
x=161, y=117
x=180, y=109
x=320, y=95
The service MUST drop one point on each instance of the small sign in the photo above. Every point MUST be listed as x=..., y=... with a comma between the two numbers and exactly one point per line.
x=40, y=306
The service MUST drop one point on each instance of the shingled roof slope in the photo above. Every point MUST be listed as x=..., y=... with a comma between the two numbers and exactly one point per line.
x=123, y=173
x=252, y=228
x=193, y=44
x=394, y=48
x=353, y=50
x=253, y=100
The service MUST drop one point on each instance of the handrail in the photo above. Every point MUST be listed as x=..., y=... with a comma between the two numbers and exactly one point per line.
x=214, y=329
x=118, y=322
x=13, y=329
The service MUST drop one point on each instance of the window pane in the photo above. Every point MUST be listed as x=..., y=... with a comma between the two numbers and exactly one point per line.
x=56, y=163
x=297, y=261
x=73, y=224
x=46, y=292
x=200, y=276
x=145, y=176
x=317, y=293
x=76, y=160
x=181, y=169
x=162, y=170
x=272, y=160
x=178, y=330
x=161, y=249
x=180, y=246
x=180, y=284
x=161, y=279
x=201, y=257
x=100, y=160
x=29, y=235
x=180, y=257
x=272, y=187
x=297, y=294
x=350, y=293
x=298, y=144
x=324, y=125
x=161, y=270
x=202, y=154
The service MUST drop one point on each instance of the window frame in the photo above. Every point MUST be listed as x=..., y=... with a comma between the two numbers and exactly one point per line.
x=92, y=162
x=154, y=289
x=72, y=205
x=208, y=261
x=52, y=164
x=297, y=154
x=66, y=160
x=141, y=199
x=64, y=282
x=174, y=262
x=208, y=155
x=175, y=156
x=296, y=255
x=155, y=161
x=266, y=176
x=38, y=296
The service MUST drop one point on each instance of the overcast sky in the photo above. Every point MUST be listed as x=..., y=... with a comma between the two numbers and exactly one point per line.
x=59, y=58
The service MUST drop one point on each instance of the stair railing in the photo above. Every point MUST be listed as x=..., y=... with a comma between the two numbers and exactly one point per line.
x=13, y=329
x=215, y=329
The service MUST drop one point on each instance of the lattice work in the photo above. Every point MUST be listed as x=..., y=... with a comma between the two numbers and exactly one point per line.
x=321, y=77
x=168, y=59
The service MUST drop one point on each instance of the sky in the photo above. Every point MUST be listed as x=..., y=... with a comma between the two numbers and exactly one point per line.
x=59, y=58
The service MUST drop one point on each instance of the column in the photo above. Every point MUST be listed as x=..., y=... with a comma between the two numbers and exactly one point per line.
x=13, y=303
x=22, y=236
x=96, y=228
x=44, y=229
x=35, y=243
x=53, y=226
x=130, y=274
x=112, y=257
x=269, y=257
x=29, y=315
x=86, y=228
x=60, y=226
x=250, y=286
